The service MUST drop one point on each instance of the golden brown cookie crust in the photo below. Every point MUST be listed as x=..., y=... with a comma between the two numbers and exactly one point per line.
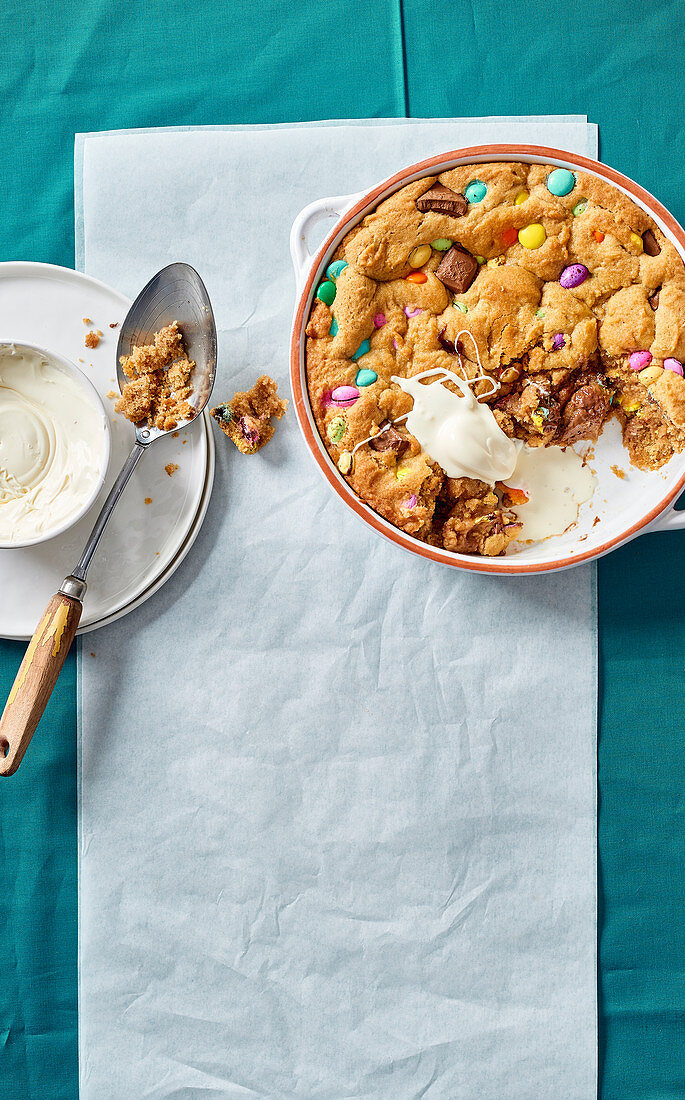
x=561, y=355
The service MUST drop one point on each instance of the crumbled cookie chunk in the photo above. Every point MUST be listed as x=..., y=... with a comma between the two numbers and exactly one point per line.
x=158, y=392
x=171, y=468
x=92, y=339
x=573, y=296
x=246, y=418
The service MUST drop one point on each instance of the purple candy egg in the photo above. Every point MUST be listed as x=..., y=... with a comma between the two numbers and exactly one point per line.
x=675, y=365
x=558, y=342
x=412, y=311
x=411, y=503
x=573, y=275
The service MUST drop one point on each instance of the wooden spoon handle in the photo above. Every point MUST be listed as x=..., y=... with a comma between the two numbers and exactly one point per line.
x=36, y=678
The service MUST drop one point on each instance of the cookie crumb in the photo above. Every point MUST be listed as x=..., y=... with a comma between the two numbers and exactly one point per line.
x=246, y=418
x=618, y=471
x=87, y=321
x=158, y=392
x=175, y=435
x=148, y=500
x=113, y=395
x=92, y=654
x=92, y=339
x=113, y=324
x=171, y=468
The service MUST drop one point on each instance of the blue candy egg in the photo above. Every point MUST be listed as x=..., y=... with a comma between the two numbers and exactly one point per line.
x=334, y=327
x=475, y=191
x=334, y=269
x=560, y=182
x=365, y=377
x=362, y=349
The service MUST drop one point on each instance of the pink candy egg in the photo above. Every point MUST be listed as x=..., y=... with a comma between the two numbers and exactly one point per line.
x=675, y=365
x=379, y=320
x=412, y=311
x=343, y=396
x=640, y=359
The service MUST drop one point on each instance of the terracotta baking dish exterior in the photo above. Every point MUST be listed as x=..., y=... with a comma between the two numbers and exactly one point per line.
x=621, y=509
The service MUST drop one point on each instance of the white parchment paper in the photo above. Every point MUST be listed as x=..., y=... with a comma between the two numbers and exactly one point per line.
x=337, y=804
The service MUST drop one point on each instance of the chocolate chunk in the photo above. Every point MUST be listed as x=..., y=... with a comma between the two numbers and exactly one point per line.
x=651, y=244
x=449, y=345
x=443, y=201
x=457, y=269
x=388, y=440
x=585, y=413
x=654, y=299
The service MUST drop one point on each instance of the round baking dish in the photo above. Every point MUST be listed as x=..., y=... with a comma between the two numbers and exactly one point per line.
x=627, y=502
x=88, y=390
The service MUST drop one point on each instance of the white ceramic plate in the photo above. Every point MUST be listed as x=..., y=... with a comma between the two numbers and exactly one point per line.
x=144, y=543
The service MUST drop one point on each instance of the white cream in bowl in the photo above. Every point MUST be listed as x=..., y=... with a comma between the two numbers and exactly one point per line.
x=54, y=444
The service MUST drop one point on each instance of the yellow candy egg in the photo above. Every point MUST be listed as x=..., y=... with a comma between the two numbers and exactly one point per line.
x=420, y=256
x=532, y=236
x=637, y=241
x=520, y=198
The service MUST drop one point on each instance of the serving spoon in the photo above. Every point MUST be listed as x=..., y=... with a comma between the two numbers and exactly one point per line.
x=176, y=293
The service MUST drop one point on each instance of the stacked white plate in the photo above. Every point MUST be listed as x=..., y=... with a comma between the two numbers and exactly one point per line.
x=159, y=515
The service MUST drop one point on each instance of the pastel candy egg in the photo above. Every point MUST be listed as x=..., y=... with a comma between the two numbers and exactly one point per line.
x=462, y=307
x=442, y=244
x=650, y=374
x=334, y=269
x=336, y=429
x=419, y=256
x=560, y=182
x=637, y=241
x=345, y=462
x=573, y=276
x=580, y=208
x=638, y=360
x=480, y=260
x=379, y=320
x=509, y=236
x=334, y=327
x=326, y=292
x=475, y=191
x=362, y=350
x=416, y=277
x=365, y=377
x=521, y=198
x=411, y=311
x=533, y=235
x=344, y=396
x=539, y=313
x=598, y=235
x=675, y=365
x=558, y=342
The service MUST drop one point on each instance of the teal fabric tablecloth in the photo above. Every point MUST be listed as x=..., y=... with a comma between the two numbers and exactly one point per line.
x=103, y=64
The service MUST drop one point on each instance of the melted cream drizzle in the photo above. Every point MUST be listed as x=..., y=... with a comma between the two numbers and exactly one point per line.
x=52, y=440
x=462, y=435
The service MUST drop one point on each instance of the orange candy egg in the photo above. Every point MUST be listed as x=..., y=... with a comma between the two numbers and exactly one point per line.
x=599, y=237
x=416, y=277
x=509, y=236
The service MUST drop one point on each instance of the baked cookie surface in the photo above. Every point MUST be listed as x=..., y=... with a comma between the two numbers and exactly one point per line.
x=565, y=290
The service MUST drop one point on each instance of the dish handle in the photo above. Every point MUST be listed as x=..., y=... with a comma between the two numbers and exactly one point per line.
x=673, y=519
x=331, y=208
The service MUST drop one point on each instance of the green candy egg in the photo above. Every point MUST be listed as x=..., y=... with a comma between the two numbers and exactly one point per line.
x=441, y=245
x=365, y=377
x=540, y=313
x=461, y=306
x=336, y=429
x=334, y=269
x=560, y=182
x=326, y=293
x=580, y=208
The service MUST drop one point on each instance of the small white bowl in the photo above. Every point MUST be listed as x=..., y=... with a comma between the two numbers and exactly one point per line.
x=88, y=390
